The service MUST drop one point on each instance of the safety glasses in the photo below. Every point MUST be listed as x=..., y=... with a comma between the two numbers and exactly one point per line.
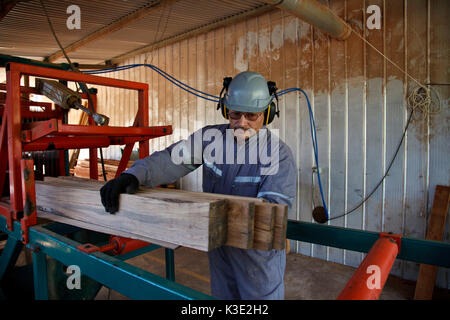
x=251, y=116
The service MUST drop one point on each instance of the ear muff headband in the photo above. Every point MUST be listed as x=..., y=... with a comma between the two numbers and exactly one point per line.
x=267, y=114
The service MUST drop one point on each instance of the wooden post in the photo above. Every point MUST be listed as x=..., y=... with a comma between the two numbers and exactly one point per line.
x=427, y=273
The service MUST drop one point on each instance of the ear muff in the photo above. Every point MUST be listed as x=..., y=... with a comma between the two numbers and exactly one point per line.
x=220, y=104
x=224, y=110
x=270, y=112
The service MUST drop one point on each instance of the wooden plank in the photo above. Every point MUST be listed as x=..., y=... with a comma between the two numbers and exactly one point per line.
x=280, y=227
x=264, y=227
x=427, y=274
x=94, y=227
x=240, y=210
x=242, y=215
x=197, y=224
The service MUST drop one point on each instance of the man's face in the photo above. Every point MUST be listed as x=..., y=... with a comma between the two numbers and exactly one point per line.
x=245, y=124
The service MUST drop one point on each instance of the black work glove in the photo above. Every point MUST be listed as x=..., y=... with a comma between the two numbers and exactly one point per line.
x=112, y=189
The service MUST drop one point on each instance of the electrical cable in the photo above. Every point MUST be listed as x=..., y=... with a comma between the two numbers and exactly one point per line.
x=386, y=173
x=83, y=86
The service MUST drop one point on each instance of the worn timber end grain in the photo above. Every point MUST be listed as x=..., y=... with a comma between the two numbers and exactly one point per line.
x=218, y=224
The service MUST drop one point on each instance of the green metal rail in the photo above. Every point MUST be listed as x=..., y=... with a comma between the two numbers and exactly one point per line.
x=418, y=250
x=110, y=271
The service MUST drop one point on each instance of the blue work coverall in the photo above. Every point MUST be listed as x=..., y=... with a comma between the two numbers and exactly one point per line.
x=262, y=166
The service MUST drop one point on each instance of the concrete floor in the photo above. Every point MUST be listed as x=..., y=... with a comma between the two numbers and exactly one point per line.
x=306, y=278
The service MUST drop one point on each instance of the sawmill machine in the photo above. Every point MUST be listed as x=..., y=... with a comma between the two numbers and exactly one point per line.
x=34, y=141
x=34, y=144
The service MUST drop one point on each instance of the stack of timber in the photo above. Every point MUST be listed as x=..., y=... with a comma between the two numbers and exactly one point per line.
x=167, y=217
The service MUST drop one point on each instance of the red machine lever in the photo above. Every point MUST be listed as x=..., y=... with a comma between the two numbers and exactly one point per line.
x=118, y=245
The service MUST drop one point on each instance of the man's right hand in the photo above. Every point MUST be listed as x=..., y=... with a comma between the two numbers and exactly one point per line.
x=112, y=189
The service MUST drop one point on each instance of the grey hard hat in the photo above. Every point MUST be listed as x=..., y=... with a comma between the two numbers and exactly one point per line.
x=248, y=92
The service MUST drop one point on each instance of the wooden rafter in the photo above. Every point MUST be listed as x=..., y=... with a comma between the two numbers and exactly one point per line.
x=7, y=5
x=113, y=27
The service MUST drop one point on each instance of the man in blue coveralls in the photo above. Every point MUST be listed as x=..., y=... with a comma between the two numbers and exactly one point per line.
x=240, y=158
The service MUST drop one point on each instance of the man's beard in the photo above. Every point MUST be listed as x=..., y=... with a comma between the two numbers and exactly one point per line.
x=242, y=134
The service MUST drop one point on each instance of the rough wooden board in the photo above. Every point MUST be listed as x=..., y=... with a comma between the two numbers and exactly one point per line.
x=242, y=220
x=94, y=227
x=264, y=226
x=280, y=228
x=199, y=225
x=241, y=211
x=427, y=273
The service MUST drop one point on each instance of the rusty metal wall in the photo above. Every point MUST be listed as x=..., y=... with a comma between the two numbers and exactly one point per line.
x=358, y=100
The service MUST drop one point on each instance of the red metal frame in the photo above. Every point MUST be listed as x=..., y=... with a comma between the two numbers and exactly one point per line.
x=54, y=134
x=118, y=245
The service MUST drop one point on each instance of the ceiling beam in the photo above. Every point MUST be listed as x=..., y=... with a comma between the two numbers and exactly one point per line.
x=113, y=27
x=204, y=29
x=7, y=5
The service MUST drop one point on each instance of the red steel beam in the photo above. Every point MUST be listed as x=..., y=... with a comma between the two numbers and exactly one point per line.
x=14, y=124
x=70, y=129
x=368, y=280
x=27, y=113
x=29, y=197
x=63, y=143
x=3, y=153
x=75, y=76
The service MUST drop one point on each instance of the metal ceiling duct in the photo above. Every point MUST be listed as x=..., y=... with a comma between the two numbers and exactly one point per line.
x=317, y=15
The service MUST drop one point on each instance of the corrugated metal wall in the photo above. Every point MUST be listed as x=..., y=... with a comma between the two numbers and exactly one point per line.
x=359, y=105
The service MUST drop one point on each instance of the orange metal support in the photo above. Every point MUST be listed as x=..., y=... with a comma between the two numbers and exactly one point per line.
x=118, y=245
x=123, y=245
x=368, y=280
x=29, y=197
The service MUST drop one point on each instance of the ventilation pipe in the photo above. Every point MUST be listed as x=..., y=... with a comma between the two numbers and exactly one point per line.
x=317, y=15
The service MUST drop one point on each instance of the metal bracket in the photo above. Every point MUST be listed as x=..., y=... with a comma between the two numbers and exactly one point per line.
x=393, y=236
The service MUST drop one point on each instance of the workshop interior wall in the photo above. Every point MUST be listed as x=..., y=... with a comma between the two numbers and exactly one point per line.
x=359, y=104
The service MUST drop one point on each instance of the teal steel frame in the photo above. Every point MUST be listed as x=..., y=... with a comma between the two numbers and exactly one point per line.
x=411, y=249
x=111, y=271
x=115, y=273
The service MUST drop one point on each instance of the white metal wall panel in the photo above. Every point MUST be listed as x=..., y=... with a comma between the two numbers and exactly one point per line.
x=359, y=105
